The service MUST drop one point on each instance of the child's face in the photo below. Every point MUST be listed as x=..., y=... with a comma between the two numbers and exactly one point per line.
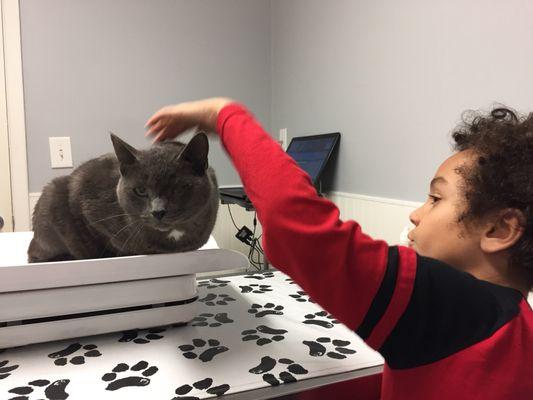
x=437, y=234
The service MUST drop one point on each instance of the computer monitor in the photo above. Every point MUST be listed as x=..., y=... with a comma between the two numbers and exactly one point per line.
x=313, y=152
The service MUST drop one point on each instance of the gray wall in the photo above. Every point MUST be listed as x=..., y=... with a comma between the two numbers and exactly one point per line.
x=91, y=67
x=393, y=77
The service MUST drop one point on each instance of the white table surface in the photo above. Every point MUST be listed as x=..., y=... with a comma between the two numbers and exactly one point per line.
x=228, y=349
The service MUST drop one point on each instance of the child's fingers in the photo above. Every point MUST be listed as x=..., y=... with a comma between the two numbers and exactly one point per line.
x=160, y=136
x=155, y=117
x=151, y=121
x=153, y=129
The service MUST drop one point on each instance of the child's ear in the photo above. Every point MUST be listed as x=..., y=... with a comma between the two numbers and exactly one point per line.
x=503, y=230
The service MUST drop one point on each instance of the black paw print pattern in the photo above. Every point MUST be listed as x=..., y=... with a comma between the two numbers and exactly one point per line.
x=52, y=391
x=268, y=309
x=311, y=319
x=213, y=299
x=61, y=356
x=128, y=381
x=214, y=348
x=267, y=364
x=256, y=288
x=216, y=320
x=301, y=296
x=6, y=371
x=213, y=283
x=253, y=334
x=317, y=348
x=204, y=384
x=260, y=276
x=290, y=281
x=146, y=337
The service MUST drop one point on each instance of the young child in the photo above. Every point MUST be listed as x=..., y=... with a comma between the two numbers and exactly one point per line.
x=448, y=313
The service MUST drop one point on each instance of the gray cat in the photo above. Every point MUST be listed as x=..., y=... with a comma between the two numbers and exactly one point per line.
x=160, y=200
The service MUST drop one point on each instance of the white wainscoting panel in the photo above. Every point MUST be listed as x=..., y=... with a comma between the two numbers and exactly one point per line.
x=379, y=217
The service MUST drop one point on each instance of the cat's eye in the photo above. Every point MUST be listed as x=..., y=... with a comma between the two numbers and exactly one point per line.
x=140, y=191
x=186, y=185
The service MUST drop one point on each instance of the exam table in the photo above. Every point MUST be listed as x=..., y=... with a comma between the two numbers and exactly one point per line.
x=249, y=336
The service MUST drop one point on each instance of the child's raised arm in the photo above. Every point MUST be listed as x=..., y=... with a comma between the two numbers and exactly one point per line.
x=413, y=309
x=334, y=262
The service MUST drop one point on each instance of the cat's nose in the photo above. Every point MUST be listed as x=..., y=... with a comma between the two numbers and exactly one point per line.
x=159, y=214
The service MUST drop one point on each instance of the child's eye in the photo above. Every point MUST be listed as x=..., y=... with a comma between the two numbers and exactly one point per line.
x=140, y=191
x=433, y=199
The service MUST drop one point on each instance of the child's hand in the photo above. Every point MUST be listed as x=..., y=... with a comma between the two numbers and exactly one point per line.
x=170, y=121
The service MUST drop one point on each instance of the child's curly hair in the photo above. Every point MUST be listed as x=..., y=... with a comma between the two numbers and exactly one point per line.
x=502, y=177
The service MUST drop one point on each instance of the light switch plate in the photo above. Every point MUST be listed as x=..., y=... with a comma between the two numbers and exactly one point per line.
x=60, y=152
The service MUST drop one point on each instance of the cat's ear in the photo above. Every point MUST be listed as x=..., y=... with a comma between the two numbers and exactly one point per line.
x=196, y=153
x=126, y=154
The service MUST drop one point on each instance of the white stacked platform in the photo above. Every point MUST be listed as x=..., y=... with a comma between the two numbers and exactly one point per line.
x=41, y=302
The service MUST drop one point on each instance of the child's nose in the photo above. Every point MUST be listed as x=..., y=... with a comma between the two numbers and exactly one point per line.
x=414, y=217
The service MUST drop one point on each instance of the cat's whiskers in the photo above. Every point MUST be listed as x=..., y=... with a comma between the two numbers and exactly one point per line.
x=115, y=235
x=138, y=237
x=133, y=234
x=113, y=216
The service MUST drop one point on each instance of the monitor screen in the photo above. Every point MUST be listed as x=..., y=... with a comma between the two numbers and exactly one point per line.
x=312, y=152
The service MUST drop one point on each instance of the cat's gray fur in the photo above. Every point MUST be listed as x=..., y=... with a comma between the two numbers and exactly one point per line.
x=160, y=200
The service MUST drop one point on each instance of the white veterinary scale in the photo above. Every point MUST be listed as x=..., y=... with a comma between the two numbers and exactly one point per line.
x=41, y=302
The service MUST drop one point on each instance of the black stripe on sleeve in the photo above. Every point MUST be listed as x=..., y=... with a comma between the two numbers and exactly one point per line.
x=383, y=296
x=449, y=310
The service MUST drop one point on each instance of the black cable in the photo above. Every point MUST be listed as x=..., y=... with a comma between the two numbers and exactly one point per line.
x=253, y=249
x=250, y=259
x=257, y=241
x=232, y=220
x=253, y=262
x=259, y=244
x=258, y=261
x=256, y=250
x=259, y=252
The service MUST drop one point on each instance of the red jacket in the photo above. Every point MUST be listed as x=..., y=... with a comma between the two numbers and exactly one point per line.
x=443, y=333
